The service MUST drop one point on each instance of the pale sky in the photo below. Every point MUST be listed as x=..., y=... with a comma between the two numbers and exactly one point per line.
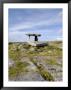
x=47, y=22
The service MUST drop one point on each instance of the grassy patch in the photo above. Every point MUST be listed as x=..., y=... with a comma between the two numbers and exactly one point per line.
x=17, y=69
x=44, y=73
x=15, y=55
x=51, y=62
x=17, y=51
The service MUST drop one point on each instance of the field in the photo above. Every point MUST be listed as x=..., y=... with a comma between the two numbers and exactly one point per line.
x=29, y=63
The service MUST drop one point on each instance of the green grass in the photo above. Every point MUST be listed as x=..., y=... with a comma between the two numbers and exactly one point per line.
x=16, y=54
x=17, y=69
x=44, y=51
x=44, y=73
x=51, y=62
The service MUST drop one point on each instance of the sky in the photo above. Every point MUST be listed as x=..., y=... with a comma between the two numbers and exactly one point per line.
x=47, y=22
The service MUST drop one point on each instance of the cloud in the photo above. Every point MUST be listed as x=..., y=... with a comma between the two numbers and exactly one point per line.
x=20, y=26
x=59, y=39
x=47, y=24
x=32, y=24
x=60, y=31
x=17, y=36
